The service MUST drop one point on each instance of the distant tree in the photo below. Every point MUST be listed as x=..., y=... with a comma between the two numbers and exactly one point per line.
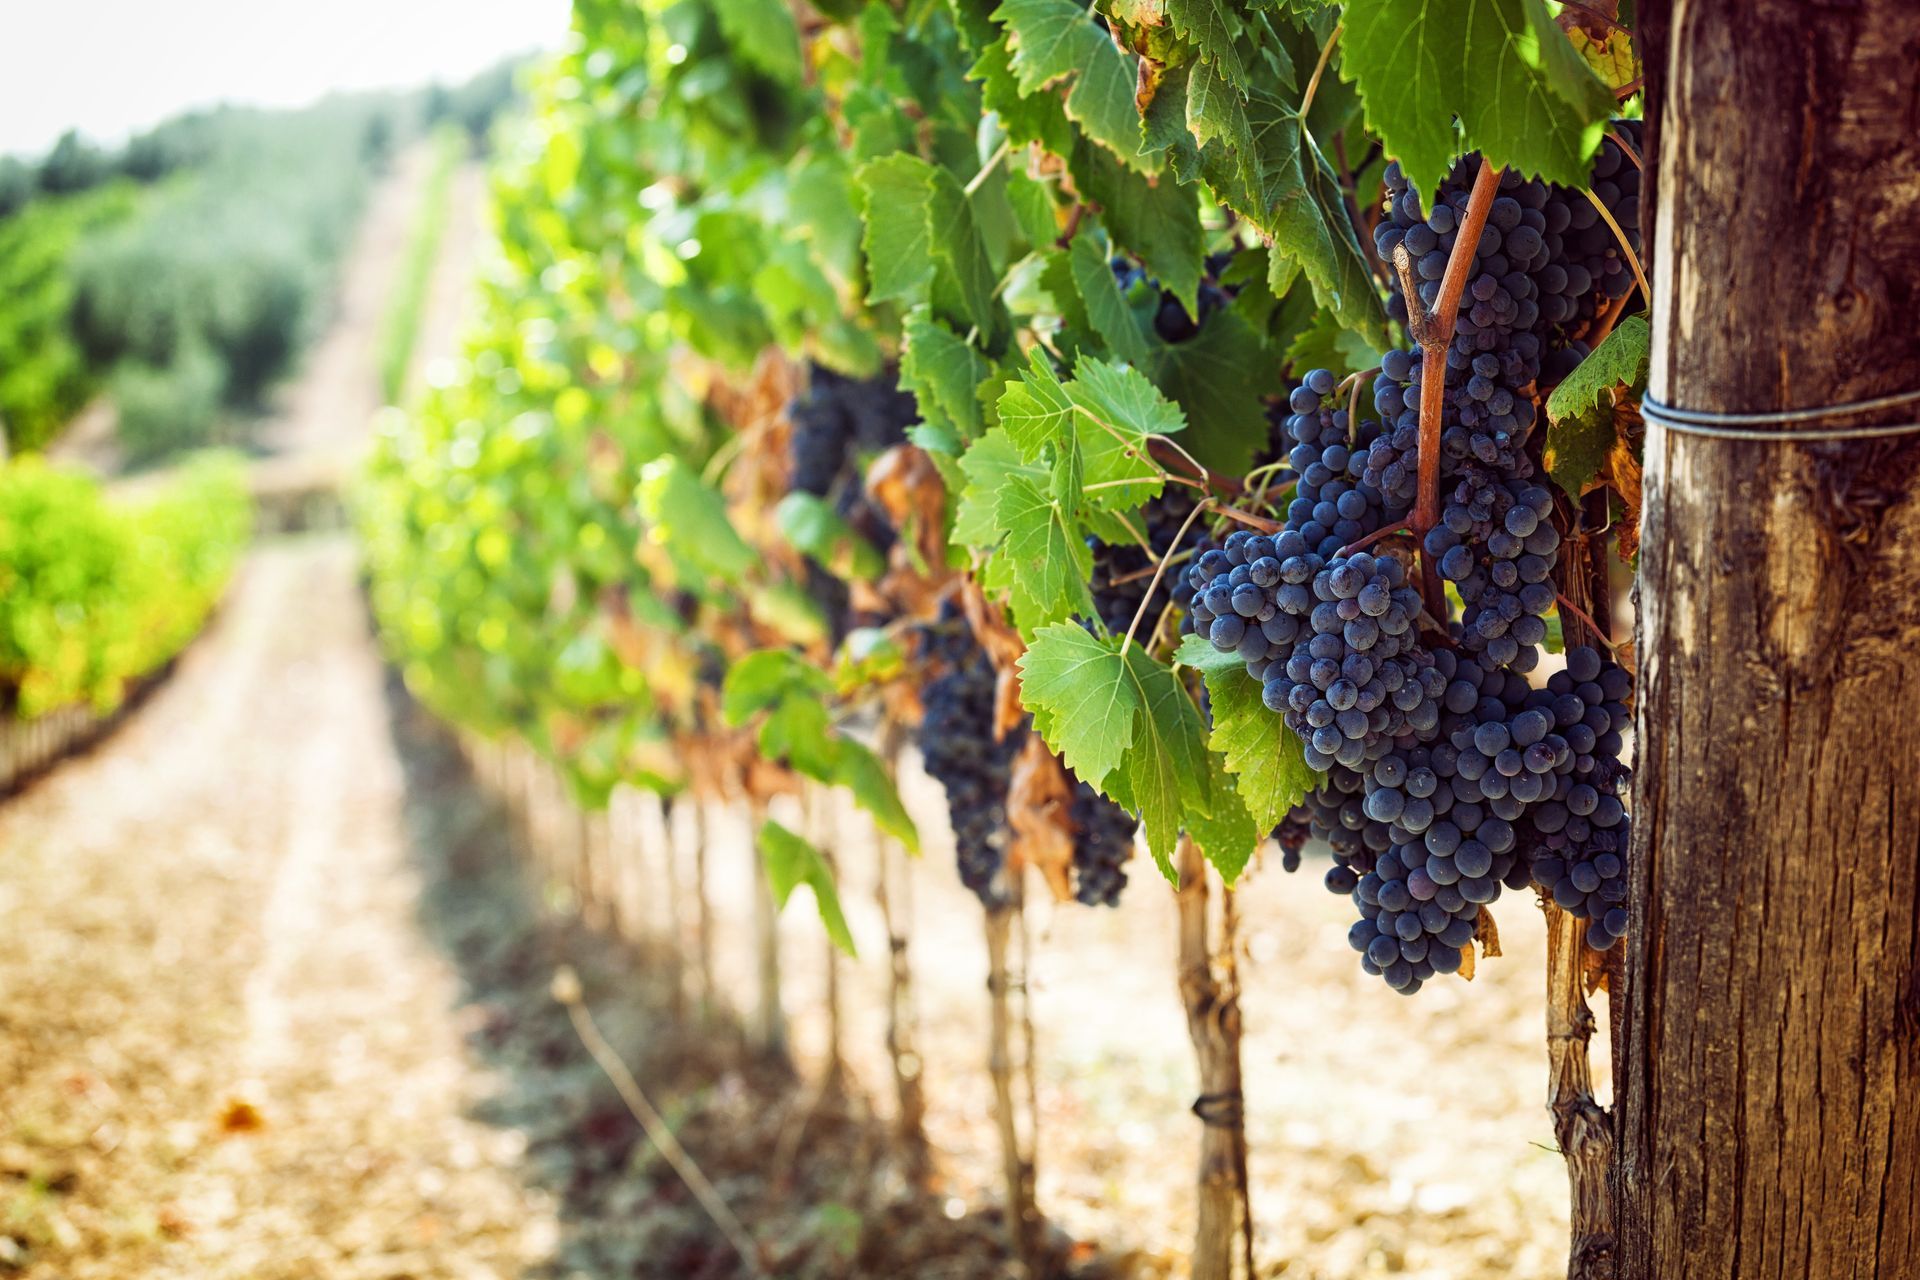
x=74, y=164
x=376, y=143
x=147, y=157
x=17, y=185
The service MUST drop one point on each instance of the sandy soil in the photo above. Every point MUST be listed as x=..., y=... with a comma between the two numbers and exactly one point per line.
x=1390, y=1135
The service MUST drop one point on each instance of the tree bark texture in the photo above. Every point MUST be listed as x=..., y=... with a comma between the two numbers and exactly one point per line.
x=895, y=888
x=1581, y=1126
x=1213, y=1023
x=1768, y=1124
x=1016, y=1168
x=770, y=1020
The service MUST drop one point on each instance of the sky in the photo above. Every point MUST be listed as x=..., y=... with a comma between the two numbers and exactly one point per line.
x=113, y=67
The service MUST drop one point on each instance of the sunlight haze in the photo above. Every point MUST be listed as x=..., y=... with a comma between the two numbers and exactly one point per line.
x=111, y=69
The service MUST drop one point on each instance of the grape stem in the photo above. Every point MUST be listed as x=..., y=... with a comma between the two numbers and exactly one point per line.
x=1159, y=570
x=1074, y=217
x=1166, y=451
x=1599, y=633
x=1319, y=69
x=1633, y=259
x=1149, y=571
x=1627, y=147
x=1353, y=402
x=986, y=170
x=1604, y=322
x=1247, y=518
x=1374, y=537
x=1433, y=332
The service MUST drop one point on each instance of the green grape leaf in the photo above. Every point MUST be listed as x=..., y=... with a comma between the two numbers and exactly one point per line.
x=943, y=372
x=1229, y=835
x=689, y=518
x=859, y=770
x=1045, y=546
x=1206, y=25
x=1055, y=38
x=1419, y=64
x=898, y=239
x=1619, y=360
x=1158, y=220
x=1164, y=777
x=764, y=678
x=1037, y=118
x=1107, y=311
x=1118, y=410
x=1219, y=377
x=814, y=528
x=957, y=244
x=1035, y=411
x=1307, y=219
x=764, y=34
x=868, y=656
x=1266, y=759
x=1217, y=109
x=786, y=609
x=1083, y=704
x=792, y=862
x=988, y=464
x=797, y=730
x=1581, y=431
x=1323, y=344
x=1034, y=209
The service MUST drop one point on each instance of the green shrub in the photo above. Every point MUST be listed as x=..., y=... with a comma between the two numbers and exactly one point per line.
x=95, y=593
x=169, y=409
x=45, y=376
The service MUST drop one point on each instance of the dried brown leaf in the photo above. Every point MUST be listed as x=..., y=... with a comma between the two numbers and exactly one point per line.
x=241, y=1116
x=1622, y=470
x=765, y=779
x=1487, y=934
x=1037, y=810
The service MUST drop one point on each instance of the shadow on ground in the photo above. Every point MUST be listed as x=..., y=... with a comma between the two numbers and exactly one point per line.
x=819, y=1183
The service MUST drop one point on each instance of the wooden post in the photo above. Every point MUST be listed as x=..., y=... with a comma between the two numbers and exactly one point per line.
x=1016, y=1171
x=770, y=1021
x=1213, y=1024
x=1767, y=1124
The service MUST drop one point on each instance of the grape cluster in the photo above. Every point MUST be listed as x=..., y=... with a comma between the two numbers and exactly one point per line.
x=1332, y=640
x=960, y=752
x=1295, y=829
x=837, y=419
x=1577, y=835
x=1102, y=845
x=1170, y=319
x=836, y=423
x=1410, y=927
x=1448, y=776
x=1496, y=543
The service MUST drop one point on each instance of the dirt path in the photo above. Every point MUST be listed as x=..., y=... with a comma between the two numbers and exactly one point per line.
x=226, y=1050
x=326, y=411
